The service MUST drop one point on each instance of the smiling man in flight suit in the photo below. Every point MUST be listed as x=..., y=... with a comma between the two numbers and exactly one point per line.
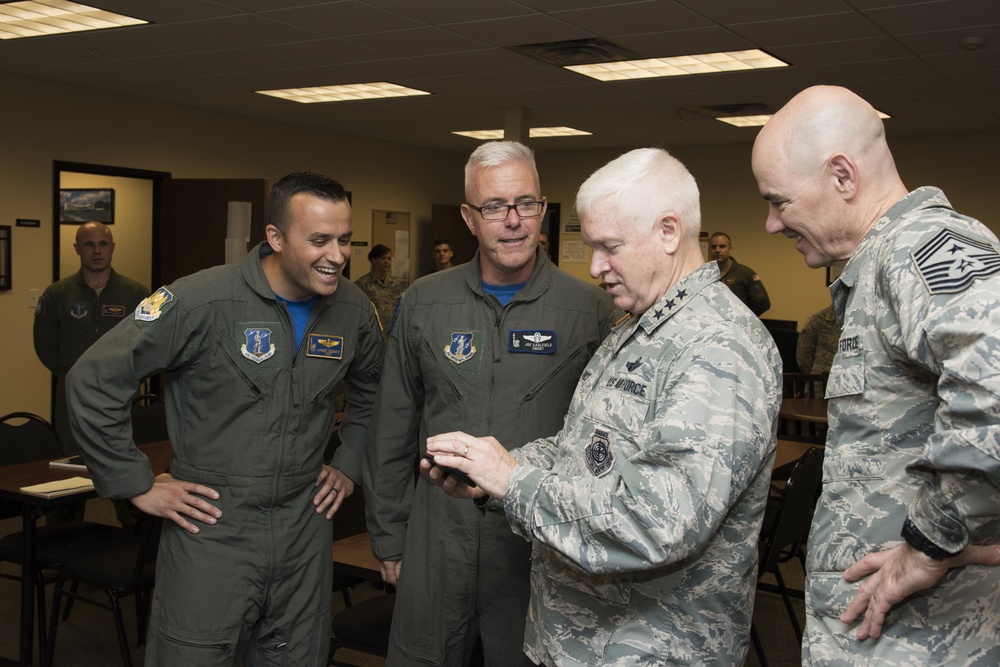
x=252, y=353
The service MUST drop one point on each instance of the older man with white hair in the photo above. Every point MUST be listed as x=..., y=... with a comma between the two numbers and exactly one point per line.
x=645, y=509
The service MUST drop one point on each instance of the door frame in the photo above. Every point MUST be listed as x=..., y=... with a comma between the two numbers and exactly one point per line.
x=157, y=177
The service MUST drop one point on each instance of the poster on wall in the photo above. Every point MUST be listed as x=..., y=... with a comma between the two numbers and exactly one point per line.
x=77, y=206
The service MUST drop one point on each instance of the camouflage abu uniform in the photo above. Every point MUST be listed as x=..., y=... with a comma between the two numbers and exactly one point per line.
x=645, y=509
x=914, y=431
x=818, y=342
x=383, y=295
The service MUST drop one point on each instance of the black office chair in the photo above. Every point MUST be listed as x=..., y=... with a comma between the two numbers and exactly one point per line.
x=784, y=531
x=122, y=569
x=363, y=627
x=26, y=437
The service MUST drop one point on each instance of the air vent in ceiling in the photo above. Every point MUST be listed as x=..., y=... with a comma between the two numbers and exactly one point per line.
x=576, y=52
x=729, y=110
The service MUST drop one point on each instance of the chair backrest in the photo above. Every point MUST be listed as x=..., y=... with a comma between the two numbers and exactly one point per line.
x=804, y=385
x=790, y=525
x=149, y=419
x=26, y=437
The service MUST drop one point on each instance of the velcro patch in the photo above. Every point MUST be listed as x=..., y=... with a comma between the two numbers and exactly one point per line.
x=152, y=306
x=950, y=262
x=532, y=341
x=323, y=346
x=113, y=311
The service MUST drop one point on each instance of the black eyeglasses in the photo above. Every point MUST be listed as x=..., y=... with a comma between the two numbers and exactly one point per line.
x=525, y=209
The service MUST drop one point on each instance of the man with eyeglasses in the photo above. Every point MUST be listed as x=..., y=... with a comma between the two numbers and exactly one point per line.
x=494, y=347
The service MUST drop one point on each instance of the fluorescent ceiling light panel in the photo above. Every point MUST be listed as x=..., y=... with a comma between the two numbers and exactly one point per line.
x=758, y=121
x=703, y=63
x=353, y=91
x=535, y=132
x=745, y=121
x=53, y=17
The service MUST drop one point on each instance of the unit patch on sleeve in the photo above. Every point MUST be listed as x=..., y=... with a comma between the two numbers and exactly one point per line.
x=532, y=341
x=152, y=306
x=950, y=262
x=323, y=346
x=258, y=347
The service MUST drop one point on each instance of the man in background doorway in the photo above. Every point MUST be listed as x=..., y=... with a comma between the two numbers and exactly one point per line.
x=442, y=254
x=77, y=310
x=741, y=279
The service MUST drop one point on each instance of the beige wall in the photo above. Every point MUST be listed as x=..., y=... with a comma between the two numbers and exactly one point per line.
x=103, y=128
x=961, y=165
x=58, y=122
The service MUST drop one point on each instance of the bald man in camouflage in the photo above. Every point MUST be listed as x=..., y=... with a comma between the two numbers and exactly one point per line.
x=910, y=509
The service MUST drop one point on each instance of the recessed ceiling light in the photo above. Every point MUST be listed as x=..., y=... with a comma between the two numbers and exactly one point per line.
x=535, y=132
x=703, y=63
x=53, y=17
x=345, y=93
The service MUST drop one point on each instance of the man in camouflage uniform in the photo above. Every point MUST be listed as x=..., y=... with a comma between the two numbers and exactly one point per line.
x=911, y=492
x=818, y=341
x=645, y=509
x=741, y=279
x=379, y=285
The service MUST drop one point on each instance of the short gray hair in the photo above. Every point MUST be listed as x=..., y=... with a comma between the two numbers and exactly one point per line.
x=642, y=185
x=496, y=153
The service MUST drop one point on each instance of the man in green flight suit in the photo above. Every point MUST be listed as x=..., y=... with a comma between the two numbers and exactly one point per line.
x=252, y=352
x=75, y=311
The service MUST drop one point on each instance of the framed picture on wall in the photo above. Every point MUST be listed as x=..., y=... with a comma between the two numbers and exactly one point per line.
x=77, y=206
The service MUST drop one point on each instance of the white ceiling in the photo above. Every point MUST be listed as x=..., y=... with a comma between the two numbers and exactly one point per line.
x=904, y=56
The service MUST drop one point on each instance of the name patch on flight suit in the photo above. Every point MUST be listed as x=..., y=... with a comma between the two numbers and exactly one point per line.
x=78, y=310
x=532, y=341
x=258, y=347
x=113, y=311
x=323, y=346
x=152, y=306
x=950, y=262
x=600, y=458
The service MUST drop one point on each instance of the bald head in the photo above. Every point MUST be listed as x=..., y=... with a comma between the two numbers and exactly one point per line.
x=95, y=246
x=820, y=122
x=825, y=169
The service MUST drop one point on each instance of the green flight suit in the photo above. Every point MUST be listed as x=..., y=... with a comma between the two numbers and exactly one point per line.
x=458, y=360
x=69, y=318
x=249, y=415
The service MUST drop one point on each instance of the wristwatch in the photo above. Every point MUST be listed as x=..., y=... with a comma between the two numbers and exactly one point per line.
x=919, y=541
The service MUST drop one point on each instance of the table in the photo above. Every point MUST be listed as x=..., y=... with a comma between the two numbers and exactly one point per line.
x=790, y=451
x=12, y=478
x=811, y=410
x=353, y=556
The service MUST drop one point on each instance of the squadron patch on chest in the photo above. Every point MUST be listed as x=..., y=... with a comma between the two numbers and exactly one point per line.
x=78, y=311
x=323, y=346
x=152, y=306
x=600, y=458
x=950, y=262
x=532, y=341
x=258, y=347
x=461, y=348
